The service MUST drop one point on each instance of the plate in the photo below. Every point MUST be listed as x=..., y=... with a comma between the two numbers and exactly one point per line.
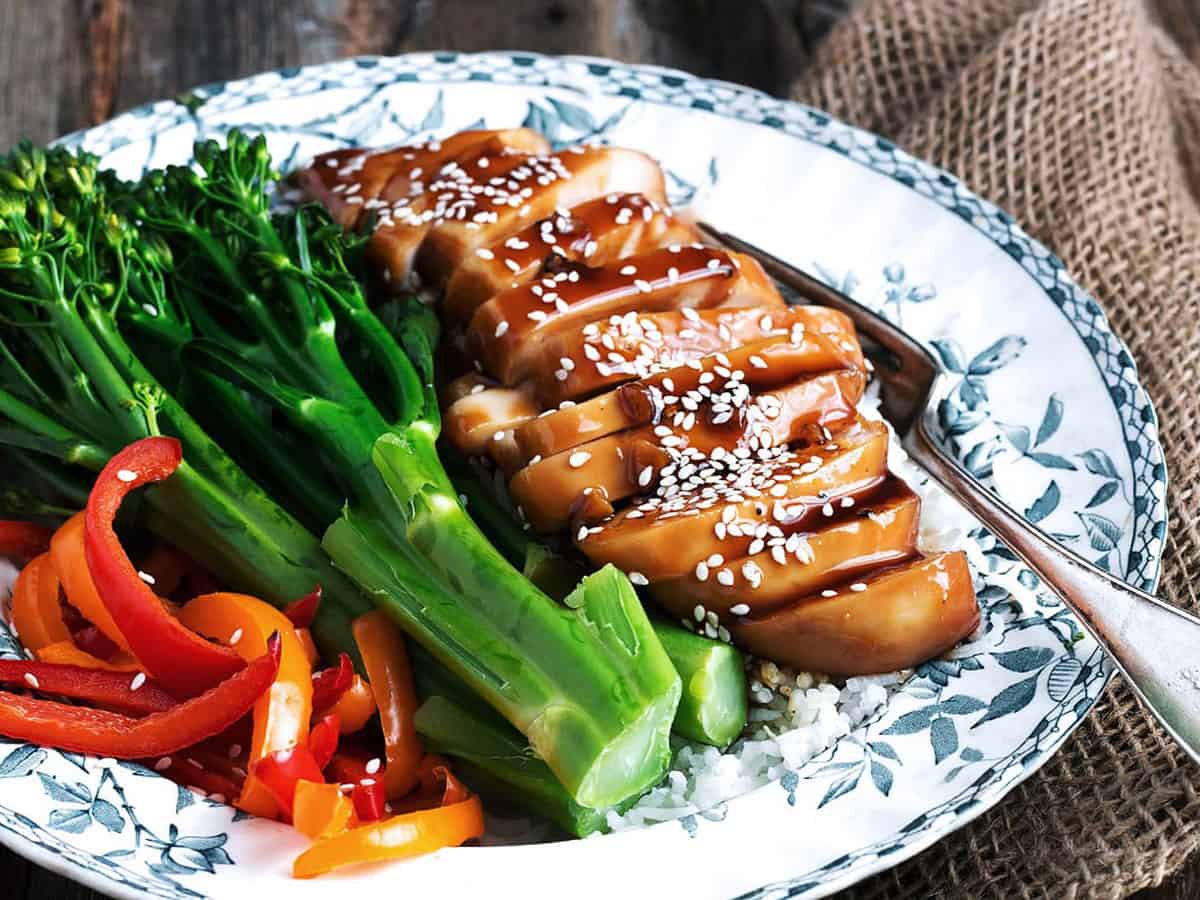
x=1046, y=406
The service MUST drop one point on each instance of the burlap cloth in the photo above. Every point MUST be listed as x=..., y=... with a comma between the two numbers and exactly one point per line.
x=1082, y=118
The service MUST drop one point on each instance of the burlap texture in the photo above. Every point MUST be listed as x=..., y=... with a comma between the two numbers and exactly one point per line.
x=1082, y=118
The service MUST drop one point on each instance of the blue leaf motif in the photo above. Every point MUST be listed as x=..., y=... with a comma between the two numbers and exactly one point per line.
x=1103, y=534
x=998, y=355
x=541, y=120
x=183, y=798
x=973, y=393
x=952, y=774
x=1098, y=462
x=435, y=115
x=1026, y=659
x=22, y=761
x=75, y=821
x=65, y=793
x=1018, y=436
x=912, y=722
x=1062, y=677
x=1012, y=699
x=970, y=754
x=1051, y=419
x=842, y=786
x=881, y=775
x=713, y=177
x=1103, y=494
x=894, y=272
x=951, y=354
x=1045, y=504
x=108, y=816
x=573, y=116
x=979, y=459
x=921, y=293
x=884, y=749
x=1051, y=460
x=961, y=705
x=943, y=736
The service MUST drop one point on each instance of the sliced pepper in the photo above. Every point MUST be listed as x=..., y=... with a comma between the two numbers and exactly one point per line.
x=356, y=706
x=330, y=684
x=320, y=810
x=183, y=661
x=36, y=609
x=66, y=653
x=280, y=772
x=366, y=790
x=385, y=657
x=302, y=612
x=22, y=541
x=398, y=837
x=70, y=562
x=100, y=733
x=310, y=646
x=101, y=687
x=323, y=739
x=282, y=715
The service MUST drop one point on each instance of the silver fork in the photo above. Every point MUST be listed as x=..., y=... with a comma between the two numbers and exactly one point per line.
x=1155, y=645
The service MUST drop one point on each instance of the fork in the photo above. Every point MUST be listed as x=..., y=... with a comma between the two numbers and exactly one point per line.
x=1155, y=645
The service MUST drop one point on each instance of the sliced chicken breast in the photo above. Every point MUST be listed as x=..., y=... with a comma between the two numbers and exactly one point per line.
x=708, y=509
x=595, y=232
x=878, y=531
x=893, y=619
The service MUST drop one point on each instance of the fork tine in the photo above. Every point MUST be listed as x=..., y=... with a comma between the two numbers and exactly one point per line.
x=869, y=323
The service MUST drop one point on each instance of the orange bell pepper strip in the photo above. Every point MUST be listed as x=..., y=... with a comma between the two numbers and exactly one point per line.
x=22, y=541
x=356, y=706
x=282, y=715
x=320, y=810
x=70, y=563
x=36, y=610
x=310, y=646
x=399, y=837
x=99, y=687
x=183, y=661
x=386, y=660
x=67, y=653
x=100, y=733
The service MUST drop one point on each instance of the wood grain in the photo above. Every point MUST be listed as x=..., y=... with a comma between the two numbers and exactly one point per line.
x=68, y=64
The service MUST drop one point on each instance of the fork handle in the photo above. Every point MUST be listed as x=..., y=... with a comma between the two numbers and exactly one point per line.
x=1155, y=645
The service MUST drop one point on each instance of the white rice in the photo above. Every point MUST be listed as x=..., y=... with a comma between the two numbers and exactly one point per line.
x=794, y=716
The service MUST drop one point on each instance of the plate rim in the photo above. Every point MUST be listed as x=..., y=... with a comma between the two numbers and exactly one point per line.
x=1155, y=516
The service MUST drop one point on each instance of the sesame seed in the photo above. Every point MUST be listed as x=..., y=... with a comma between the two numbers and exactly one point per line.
x=715, y=560
x=138, y=680
x=645, y=476
x=502, y=328
x=638, y=578
x=372, y=766
x=739, y=609
x=628, y=270
x=847, y=502
x=578, y=459
x=701, y=571
x=366, y=782
x=126, y=475
x=828, y=593
x=146, y=577
x=858, y=587
x=163, y=764
x=31, y=680
x=725, y=577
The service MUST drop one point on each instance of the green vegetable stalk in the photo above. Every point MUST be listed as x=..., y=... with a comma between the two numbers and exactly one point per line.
x=73, y=391
x=279, y=326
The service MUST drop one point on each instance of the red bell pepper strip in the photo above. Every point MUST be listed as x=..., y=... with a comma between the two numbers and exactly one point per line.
x=323, y=739
x=385, y=658
x=367, y=788
x=302, y=612
x=184, y=662
x=398, y=837
x=22, y=541
x=100, y=733
x=282, y=770
x=99, y=687
x=329, y=684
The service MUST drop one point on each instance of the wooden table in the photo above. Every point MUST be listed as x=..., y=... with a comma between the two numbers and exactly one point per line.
x=67, y=64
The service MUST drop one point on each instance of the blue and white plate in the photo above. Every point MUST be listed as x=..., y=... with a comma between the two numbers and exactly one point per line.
x=1047, y=407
